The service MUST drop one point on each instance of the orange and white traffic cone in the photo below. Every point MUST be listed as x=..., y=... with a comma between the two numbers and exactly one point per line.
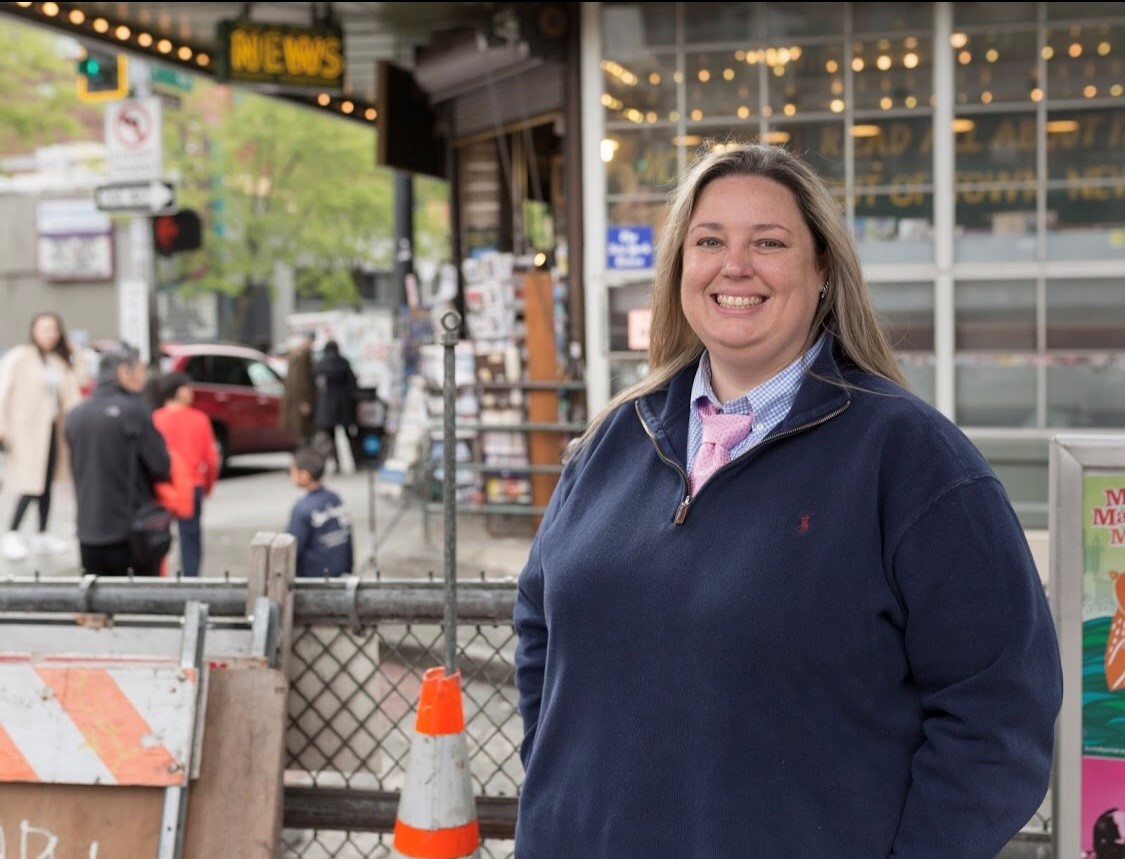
x=437, y=815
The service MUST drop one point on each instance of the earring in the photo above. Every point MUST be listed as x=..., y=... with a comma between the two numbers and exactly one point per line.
x=824, y=291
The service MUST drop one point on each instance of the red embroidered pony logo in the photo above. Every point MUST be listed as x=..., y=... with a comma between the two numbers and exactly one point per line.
x=804, y=523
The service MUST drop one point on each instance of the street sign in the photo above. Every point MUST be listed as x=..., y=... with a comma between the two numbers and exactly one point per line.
x=141, y=197
x=134, y=147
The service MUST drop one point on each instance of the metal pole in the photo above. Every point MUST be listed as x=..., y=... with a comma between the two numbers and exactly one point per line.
x=451, y=323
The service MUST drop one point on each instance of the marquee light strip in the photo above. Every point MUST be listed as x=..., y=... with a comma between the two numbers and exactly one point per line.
x=100, y=28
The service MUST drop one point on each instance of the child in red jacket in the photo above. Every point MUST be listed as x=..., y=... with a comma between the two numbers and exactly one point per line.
x=188, y=433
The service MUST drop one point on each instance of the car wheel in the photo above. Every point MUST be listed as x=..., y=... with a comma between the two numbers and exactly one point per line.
x=221, y=448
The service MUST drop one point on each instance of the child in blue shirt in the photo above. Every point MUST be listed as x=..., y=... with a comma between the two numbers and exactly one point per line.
x=319, y=521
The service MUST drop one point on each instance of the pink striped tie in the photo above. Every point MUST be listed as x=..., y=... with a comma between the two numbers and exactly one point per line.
x=721, y=432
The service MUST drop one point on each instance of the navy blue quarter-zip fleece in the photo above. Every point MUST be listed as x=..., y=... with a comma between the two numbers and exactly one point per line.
x=843, y=649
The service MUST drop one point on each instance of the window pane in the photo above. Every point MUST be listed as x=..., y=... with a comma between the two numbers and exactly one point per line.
x=965, y=14
x=1086, y=223
x=1087, y=392
x=640, y=88
x=1086, y=145
x=995, y=391
x=892, y=73
x=995, y=315
x=804, y=79
x=625, y=304
x=994, y=68
x=894, y=228
x=1082, y=62
x=643, y=160
x=633, y=213
x=1086, y=314
x=625, y=372
x=907, y=311
x=893, y=151
x=996, y=187
x=1071, y=11
x=717, y=22
x=631, y=26
x=804, y=19
x=821, y=144
x=265, y=380
x=918, y=367
x=916, y=18
x=718, y=84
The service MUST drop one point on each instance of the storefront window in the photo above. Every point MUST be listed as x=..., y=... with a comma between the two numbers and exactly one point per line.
x=996, y=187
x=800, y=20
x=895, y=227
x=717, y=83
x=1084, y=61
x=996, y=390
x=1086, y=314
x=718, y=22
x=629, y=27
x=893, y=152
x=640, y=89
x=968, y=14
x=909, y=18
x=804, y=79
x=994, y=67
x=907, y=311
x=892, y=72
x=640, y=160
x=820, y=143
x=629, y=310
x=1086, y=391
x=996, y=343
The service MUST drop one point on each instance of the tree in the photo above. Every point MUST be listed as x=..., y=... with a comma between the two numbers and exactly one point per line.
x=281, y=184
x=37, y=78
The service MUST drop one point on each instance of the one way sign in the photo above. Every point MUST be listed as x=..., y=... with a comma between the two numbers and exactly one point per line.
x=140, y=197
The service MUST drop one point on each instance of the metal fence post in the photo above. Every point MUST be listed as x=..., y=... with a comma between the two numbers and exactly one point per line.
x=451, y=323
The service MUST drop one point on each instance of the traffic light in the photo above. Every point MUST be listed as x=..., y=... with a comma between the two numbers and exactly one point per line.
x=102, y=76
x=173, y=233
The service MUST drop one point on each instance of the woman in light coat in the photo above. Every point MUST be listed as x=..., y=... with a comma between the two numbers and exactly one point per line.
x=39, y=384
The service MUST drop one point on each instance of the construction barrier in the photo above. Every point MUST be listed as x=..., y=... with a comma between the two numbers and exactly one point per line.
x=437, y=816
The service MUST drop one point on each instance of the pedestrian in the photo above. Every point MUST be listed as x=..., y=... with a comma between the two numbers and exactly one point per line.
x=299, y=396
x=319, y=520
x=833, y=643
x=188, y=433
x=335, y=403
x=117, y=456
x=39, y=383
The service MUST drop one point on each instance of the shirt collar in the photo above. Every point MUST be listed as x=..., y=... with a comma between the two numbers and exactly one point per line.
x=777, y=392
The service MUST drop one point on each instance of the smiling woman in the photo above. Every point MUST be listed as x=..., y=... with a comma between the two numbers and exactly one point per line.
x=771, y=582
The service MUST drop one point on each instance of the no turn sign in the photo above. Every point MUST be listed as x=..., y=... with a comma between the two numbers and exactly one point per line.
x=134, y=146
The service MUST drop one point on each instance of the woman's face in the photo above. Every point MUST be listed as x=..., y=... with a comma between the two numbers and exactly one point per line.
x=751, y=280
x=45, y=333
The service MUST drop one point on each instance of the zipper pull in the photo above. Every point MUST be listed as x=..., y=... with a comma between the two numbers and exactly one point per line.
x=681, y=511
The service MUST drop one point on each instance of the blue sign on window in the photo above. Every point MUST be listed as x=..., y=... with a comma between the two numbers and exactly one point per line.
x=629, y=248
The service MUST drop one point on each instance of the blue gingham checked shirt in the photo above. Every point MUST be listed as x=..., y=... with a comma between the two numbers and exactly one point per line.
x=769, y=403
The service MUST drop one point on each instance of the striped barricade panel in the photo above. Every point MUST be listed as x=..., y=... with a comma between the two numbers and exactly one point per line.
x=66, y=720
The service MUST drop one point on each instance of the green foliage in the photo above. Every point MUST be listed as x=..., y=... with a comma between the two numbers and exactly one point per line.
x=280, y=183
x=37, y=79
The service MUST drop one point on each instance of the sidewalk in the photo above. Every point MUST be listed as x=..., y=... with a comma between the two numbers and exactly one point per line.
x=258, y=495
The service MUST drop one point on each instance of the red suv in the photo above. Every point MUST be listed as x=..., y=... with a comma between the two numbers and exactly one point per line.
x=239, y=389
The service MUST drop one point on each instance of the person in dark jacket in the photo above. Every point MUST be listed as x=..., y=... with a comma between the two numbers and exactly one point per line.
x=319, y=521
x=778, y=606
x=335, y=399
x=117, y=455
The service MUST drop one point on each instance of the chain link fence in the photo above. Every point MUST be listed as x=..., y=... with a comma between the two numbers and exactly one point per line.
x=358, y=651
x=352, y=700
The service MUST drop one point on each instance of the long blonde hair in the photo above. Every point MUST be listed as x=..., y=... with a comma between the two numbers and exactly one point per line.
x=847, y=307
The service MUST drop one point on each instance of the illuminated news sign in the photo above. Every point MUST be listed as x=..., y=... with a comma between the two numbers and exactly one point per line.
x=257, y=53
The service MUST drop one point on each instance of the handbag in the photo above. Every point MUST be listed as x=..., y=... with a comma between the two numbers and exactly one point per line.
x=150, y=529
